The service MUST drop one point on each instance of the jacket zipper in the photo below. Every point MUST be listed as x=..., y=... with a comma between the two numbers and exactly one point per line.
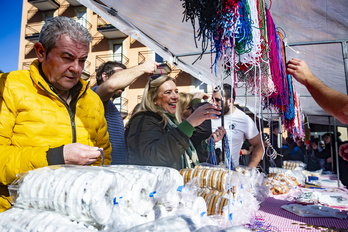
x=71, y=116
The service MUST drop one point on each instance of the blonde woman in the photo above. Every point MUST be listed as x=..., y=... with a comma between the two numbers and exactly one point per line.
x=154, y=135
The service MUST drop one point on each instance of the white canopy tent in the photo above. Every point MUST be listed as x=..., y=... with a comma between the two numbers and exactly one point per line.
x=315, y=31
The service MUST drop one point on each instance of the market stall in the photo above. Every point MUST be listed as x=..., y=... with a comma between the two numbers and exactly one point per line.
x=206, y=198
x=315, y=31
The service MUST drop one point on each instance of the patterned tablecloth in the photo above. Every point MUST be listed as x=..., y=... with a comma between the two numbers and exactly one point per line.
x=278, y=219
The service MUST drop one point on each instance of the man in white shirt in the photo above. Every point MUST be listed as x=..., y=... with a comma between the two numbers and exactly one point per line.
x=239, y=127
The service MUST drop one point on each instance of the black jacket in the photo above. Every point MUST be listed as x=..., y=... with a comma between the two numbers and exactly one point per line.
x=149, y=143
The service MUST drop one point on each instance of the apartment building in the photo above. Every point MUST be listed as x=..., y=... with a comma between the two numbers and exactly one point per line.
x=108, y=44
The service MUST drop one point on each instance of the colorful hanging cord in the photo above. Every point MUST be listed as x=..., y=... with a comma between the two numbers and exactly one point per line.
x=249, y=52
x=212, y=155
x=228, y=158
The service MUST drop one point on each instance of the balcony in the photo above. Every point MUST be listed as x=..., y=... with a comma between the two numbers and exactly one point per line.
x=121, y=104
x=163, y=68
x=108, y=30
x=116, y=57
x=32, y=31
x=86, y=71
x=45, y=5
x=74, y=2
x=26, y=65
x=84, y=23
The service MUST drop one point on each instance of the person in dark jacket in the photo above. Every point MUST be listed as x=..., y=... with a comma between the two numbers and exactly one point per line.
x=327, y=153
x=153, y=134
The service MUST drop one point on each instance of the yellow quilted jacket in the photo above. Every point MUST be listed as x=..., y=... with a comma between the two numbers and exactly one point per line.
x=33, y=119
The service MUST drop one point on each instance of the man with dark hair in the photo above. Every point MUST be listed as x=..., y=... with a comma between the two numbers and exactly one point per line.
x=239, y=127
x=112, y=79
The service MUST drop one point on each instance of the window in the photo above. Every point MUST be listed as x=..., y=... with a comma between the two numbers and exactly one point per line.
x=117, y=52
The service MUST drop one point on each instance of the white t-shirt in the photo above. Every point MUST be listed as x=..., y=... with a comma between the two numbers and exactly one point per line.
x=239, y=127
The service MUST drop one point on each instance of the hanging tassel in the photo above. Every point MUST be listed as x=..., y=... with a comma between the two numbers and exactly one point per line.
x=212, y=155
x=228, y=157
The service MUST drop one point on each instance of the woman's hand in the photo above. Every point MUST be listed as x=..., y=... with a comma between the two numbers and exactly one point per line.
x=204, y=112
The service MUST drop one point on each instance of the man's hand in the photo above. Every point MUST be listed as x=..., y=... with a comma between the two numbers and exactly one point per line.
x=343, y=151
x=299, y=70
x=80, y=154
x=219, y=134
x=149, y=66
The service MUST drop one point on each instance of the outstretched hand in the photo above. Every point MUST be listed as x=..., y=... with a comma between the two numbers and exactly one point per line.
x=149, y=66
x=202, y=113
x=299, y=70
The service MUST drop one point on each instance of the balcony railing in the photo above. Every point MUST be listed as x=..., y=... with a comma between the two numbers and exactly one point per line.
x=143, y=55
x=121, y=104
x=31, y=12
x=164, y=65
x=116, y=57
x=26, y=65
x=86, y=71
x=32, y=31
x=108, y=30
x=45, y=5
x=84, y=23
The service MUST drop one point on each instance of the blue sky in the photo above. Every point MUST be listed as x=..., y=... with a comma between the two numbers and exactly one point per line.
x=10, y=20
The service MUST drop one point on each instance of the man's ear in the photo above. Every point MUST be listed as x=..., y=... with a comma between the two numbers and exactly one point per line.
x=40, y=51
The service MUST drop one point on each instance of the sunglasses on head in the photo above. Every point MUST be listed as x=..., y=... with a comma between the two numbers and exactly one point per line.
x=153, y=77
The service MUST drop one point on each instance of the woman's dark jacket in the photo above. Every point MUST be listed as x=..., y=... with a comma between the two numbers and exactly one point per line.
x=150, y=143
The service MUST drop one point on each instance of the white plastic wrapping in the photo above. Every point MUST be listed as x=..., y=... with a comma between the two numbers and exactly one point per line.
x=230, y=194
x=108, y=197
x=19, y=220
x=74, y=191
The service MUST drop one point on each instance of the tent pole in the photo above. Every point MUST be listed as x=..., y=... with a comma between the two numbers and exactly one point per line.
x=345, y=61
x=336, y=153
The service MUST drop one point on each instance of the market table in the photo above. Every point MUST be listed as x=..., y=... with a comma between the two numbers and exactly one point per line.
x=279, y=219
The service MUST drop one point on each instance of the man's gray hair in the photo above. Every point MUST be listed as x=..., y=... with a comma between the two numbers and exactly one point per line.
x=61, y=25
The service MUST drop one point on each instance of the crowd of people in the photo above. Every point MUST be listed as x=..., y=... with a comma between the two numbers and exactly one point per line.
x=49, y=115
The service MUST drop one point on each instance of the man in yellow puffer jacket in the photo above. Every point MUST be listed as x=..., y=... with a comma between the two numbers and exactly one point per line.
x=48, y=114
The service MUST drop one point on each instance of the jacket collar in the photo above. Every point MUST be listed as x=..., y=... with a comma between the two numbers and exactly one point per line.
x=39, y=79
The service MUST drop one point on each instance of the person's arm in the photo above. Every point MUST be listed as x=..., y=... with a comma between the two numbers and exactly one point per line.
x=123, y=78
x=258, y=151
x=332, y=101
